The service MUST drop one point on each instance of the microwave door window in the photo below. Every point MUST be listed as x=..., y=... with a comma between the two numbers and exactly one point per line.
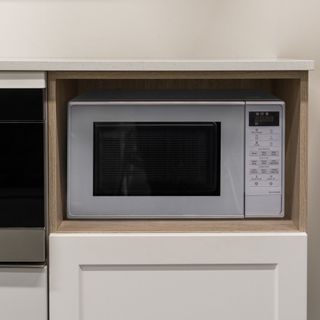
x=156, y=159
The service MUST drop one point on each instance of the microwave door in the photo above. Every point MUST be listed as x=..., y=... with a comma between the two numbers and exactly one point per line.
x=160, y=161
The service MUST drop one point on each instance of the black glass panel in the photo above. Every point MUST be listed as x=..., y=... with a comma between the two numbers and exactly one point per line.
x=21, y=175
x=264, y=118
x=158, y=159
x=21, y=104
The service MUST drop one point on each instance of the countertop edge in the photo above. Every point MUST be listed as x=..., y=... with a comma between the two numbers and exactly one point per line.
x=155, y=65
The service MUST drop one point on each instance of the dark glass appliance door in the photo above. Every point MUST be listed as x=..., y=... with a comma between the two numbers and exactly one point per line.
x=156, y=159
x=21, y=174
x=21, y=104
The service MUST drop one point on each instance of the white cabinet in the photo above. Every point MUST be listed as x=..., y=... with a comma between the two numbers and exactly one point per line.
x=243, y=276
x=23, y=293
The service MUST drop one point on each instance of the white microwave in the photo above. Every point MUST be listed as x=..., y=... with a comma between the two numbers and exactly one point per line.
x=175, y=154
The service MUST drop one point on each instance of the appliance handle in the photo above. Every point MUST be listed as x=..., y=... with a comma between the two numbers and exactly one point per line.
x=21, y=265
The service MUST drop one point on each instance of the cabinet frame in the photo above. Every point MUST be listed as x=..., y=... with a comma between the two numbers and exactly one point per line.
x=291, y=86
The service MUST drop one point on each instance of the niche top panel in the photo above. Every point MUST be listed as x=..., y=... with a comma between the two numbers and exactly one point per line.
x=45, y=64
x=103, y=96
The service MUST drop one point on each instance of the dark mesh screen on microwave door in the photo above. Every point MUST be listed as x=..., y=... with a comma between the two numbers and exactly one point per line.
x=155, y=158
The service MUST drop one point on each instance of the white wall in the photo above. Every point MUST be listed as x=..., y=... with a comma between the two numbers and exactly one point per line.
x=179, y=29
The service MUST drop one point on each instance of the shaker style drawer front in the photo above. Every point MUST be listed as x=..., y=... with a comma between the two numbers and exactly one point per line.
x=23, y=293
x=178, y=276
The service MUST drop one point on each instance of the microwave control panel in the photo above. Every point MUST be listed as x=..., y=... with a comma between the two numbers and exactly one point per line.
x=264, y=165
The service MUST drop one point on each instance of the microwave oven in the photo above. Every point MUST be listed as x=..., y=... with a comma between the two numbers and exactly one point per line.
x=175, y=154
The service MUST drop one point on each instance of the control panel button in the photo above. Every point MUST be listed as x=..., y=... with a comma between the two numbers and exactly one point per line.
x=253, y=153
x=274, y=171
x=274, y=153
x=253, y=171
x=254, y=162
x=273, y=162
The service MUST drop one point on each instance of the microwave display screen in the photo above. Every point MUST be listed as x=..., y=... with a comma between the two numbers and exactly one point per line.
x=264, y=119
x=156, y=158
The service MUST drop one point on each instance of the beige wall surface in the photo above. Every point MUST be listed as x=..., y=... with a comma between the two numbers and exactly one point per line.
x=179, y=29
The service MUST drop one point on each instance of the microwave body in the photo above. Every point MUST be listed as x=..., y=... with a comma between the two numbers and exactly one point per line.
x=144, y=156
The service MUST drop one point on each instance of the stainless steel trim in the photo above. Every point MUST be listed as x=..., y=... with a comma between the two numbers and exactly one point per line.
x=160, y=103
x=22, y=121
x=22, y=265
x=19, y=245
x=46, y=163
x=46, y=183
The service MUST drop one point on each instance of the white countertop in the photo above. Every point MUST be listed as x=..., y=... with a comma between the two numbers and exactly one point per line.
x=154, y=65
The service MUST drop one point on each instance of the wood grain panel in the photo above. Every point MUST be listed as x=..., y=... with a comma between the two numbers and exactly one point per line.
x=59, y=94
x=176, y=75
x=177, y=226
x=173, y=84
x=301, y=218
x=295, y=94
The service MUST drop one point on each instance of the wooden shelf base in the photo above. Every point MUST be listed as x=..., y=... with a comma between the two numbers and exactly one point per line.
x=177, y=226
